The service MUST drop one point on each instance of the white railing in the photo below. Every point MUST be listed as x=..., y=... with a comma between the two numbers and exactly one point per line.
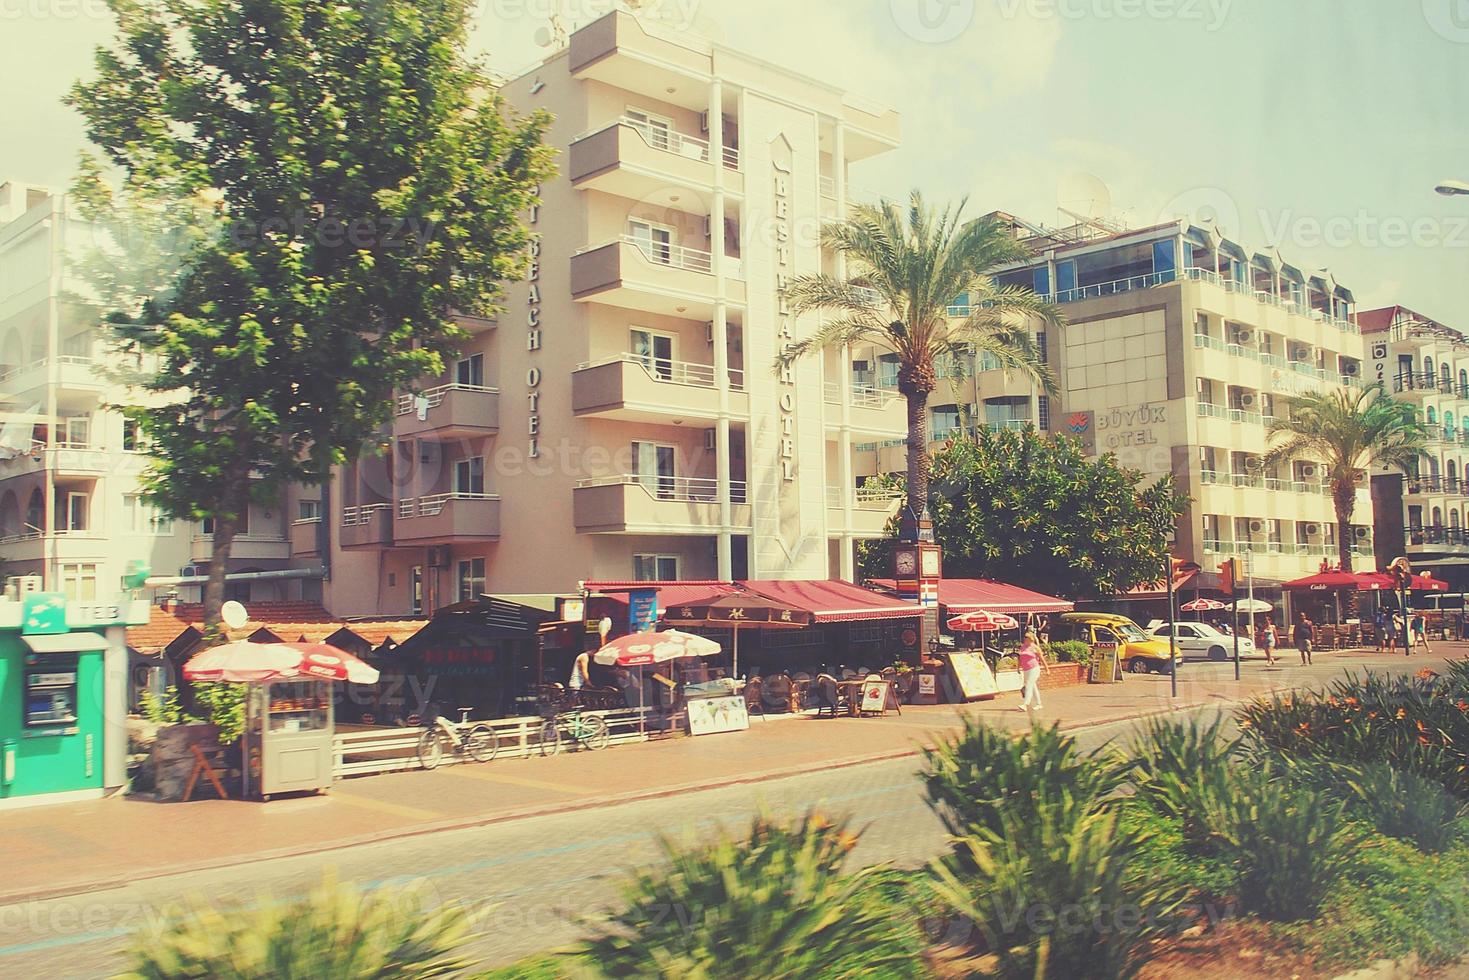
x=863, y=395
x=732, y=158
x=434, y=504
x=20, y=536
x=361, y=515
x=863, y=498
x=434, y=397
x=671, y=371
x=827, y=186
x=675, y=256
x=669, y=140
x=686, y=489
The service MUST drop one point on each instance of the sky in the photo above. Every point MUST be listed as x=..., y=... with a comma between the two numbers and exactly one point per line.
x=1317, y=126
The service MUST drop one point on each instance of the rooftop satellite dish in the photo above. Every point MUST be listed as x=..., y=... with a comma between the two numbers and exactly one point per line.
x=234, y=615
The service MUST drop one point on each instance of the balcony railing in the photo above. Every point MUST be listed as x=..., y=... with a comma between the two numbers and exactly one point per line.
x=362, y=515
x=1435, y=534
x=688, y=489
x=434, y=504
x=828, y=186
x=671, y=371
x=863, y=395
x=677, y=256
x=863, y=498
x=434, y=397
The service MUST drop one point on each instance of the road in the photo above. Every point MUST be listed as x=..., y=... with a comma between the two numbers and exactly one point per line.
x=529, y=879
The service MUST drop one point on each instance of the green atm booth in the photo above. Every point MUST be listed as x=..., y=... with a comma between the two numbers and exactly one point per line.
x=63, y=697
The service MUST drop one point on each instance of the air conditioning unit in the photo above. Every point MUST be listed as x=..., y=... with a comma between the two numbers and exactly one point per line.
x=1300, y=353
x=190, y=571
x=1244, y=338
x=439, y=556
x=1257, y=527
x=711, y=439
x=1247, y=400
x=1351, y=369
x=1360, y=533
x=1312, y=530
x=1308, y=472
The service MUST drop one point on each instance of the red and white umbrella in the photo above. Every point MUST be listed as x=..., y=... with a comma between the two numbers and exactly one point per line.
x=640, y=649
x=244, y=662
x=1202, y=605
x=982, y=621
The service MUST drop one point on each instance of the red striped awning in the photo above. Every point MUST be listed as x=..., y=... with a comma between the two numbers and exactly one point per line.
x=835, y=601
x=963, y=595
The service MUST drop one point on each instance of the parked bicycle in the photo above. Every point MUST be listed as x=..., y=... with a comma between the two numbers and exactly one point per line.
x=477, y=741
x=588, y=731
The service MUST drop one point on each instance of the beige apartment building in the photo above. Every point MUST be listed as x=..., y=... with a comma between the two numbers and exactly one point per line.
x=624, y=417
x=1179, y=348
x=70, y=508
x=1425, y=513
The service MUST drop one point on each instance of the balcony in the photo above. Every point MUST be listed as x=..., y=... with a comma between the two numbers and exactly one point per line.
x=60, y=546
x=452, y=411
x=635, y=160
x=259, y=546
x=877, y=410
x=303, y=537
x=871, y=510
x=632, y=504
x=639, y=388
x=367, y=526
x=1435, y=538
x=72, y=372
x=652, y=276
x=624, y=52
x=444, y=518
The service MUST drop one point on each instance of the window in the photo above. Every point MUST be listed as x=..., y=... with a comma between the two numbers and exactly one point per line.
x=308, y=510
x=141, y=517
x=470, y=371
x=415, y=590
x=1040, y=282
x=242, y=526
x=655, y=568
x=887, y=371
x=73, y=513
x=132, y=436
x=945, y=421
x=76, y=431
x=1065, y=279
x=1163, y=261
x=79, y=582
x=656, y=130
x=655, y=351
x=655, y=241
x=1043, y=413
x=469, y=475
x=471, y=579
x=653, y=465
x=1041, y=350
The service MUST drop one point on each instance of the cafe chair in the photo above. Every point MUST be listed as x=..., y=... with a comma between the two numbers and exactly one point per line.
x=754, y=696
x=827, y=695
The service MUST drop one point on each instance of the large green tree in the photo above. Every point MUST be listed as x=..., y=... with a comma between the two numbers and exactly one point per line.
x=1035, y=511
x=351, y=178
x=906, y=269
x=1346, y=431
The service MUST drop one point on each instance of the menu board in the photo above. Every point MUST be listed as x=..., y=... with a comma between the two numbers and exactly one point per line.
x=710, y=716
x=972, y=675
x=875, y=696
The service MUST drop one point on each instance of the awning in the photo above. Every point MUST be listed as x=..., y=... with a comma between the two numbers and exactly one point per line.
x=962, y=595
x=669, y=593
x=834, y=601
x=1337, y=581
x=83, y=642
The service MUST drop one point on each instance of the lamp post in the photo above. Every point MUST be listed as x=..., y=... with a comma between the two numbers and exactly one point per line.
x=1453, y=188
x=1182, y=568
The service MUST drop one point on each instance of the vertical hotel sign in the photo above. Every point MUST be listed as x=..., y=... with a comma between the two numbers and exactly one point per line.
x=788, y=501
x=533, y=334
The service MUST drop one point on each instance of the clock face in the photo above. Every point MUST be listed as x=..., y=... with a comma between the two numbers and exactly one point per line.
x=906, y=562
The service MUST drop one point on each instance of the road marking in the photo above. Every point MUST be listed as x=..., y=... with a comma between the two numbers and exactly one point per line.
x=495, y=777
x=382, y=806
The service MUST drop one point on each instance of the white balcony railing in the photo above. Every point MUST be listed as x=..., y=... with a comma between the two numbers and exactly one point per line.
x=863, y=395
x=675, y=256
x=434, y=397
x=671, y=141
x=671, y=371
x=362, y=515
x=687, y=489
x=434, y=504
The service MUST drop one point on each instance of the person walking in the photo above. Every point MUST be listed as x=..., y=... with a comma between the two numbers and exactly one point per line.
x=1268, y=639
x=1303, y=637
x=1032, y=658
x=1420, y=634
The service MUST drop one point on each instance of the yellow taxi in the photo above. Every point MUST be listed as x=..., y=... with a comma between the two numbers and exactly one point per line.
x=1138, y=652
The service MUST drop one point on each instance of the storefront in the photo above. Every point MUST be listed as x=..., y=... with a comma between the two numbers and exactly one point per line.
x=63, y=697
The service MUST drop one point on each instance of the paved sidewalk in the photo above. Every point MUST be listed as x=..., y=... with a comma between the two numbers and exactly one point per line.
x=65, y=849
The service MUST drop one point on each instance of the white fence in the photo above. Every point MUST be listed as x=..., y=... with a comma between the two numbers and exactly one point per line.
x=393, y=749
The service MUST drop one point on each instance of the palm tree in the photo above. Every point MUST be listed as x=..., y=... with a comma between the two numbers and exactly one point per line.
x=1347, y=431
x=906, y=267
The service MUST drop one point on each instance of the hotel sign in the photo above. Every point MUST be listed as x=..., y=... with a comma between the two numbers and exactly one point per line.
x=785, y=329
x=533, y=336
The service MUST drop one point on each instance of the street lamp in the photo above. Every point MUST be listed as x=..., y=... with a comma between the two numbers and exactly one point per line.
x=1452, y=188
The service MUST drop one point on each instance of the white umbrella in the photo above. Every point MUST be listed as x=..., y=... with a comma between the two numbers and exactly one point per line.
x=1252, y=606
x=640, y=649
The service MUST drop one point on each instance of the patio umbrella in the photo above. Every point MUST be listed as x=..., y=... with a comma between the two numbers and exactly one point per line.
x=247, y=662
x=982, y=621
x=641, y=649
x=1202, y=605
x=737, y=611
x=1424, y=582
x=1251, y=606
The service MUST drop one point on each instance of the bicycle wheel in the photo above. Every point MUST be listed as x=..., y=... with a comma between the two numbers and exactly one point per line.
x=594, y=733
x=430, y=749
x=482, y=743
x=550, y=737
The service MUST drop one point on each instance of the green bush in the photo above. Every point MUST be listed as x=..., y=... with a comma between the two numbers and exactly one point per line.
x=1186, y=771
x=163, y=710
x=773, y=904
x=1056, y=893
x=336, y=931
x=975, y=777
x=1290, y=842
x=1069, y=652
x=1398, y=804
x=225, y=704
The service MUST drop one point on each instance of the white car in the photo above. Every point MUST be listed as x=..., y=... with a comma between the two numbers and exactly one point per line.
x=1200, y=640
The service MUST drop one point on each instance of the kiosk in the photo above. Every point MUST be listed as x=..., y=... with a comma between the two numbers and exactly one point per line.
x=288, y=737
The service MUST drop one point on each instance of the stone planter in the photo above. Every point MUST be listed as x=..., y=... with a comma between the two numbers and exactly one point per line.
x=173, y=761
x=1063, y=675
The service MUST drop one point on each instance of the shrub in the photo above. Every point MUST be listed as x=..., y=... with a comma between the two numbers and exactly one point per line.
x=974, y=777
x=1070, y=652
x=773, y=904
x=226, y=708
x=1398, y=804
x=1055, y=894
x=163, y=710
x=1289, y=841
x=1186, y=771
x=336, y=931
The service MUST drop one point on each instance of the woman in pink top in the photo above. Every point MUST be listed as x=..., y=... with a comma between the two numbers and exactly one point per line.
x=1032, y=659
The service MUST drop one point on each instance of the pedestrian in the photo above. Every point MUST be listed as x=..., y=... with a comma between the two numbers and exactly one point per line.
x=1303, y=638
x=1380, y=627
x=581, y=671
x=1394, y=628
x=1420, y=633
x=1268, y=638
x=1032, y=659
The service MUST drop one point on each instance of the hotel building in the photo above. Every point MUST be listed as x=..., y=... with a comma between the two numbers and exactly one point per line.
x=1424, y=514
x=70, y=507
x=1180, y=347
x=624, y=417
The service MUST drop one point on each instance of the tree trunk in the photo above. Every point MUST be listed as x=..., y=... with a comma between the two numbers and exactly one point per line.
x=1344, y=497
x=223, y=541
x=917, y=501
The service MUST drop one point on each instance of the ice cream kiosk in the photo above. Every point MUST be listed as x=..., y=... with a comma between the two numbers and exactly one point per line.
x=63, y=694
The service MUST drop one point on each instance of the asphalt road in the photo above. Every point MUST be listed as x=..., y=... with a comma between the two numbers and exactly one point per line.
x=529, y=880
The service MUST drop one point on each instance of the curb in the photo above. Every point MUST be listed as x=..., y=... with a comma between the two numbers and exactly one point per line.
x=1403, y=969
x=507, y=816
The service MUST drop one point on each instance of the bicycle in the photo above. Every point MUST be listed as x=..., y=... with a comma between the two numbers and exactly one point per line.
x=589, y=731
x=479, y=742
